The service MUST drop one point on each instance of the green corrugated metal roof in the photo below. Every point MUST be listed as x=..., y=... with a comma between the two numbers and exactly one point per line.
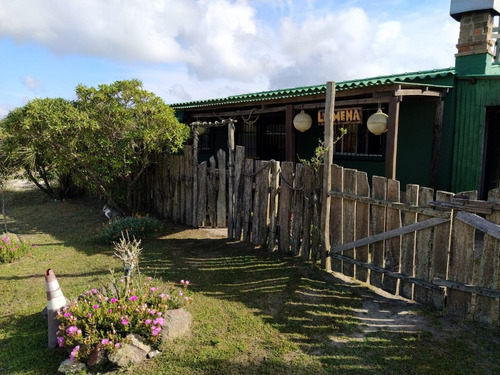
x=436, y=77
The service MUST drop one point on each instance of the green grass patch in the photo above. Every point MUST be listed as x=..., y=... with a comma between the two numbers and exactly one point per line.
x=254, y=312
x=137, y=226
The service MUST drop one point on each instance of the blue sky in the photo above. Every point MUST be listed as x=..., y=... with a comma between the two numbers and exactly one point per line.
x=186, y=50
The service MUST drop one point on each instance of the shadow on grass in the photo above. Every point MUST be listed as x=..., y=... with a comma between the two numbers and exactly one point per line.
x=327, y=318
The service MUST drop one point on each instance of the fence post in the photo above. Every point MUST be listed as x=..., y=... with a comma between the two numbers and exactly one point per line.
x=231, y=187
x=327, y=176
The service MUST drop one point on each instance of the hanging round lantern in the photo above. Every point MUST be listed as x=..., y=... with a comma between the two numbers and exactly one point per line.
x=302, y=121
x=377, y=123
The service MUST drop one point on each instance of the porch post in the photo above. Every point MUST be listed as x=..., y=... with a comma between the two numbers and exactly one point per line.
x=392, y=138
x=290, y=134
x=327, y=176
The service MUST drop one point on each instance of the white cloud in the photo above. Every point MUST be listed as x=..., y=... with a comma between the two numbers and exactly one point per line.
x=31, y=83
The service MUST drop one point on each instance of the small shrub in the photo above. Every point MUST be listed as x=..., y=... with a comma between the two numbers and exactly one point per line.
x=11, y=250
x=138, y=227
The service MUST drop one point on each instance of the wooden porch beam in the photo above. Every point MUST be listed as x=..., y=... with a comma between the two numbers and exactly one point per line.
x=391, y=151
x=289, y=134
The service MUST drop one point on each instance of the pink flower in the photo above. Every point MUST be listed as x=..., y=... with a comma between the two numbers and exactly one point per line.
x=71, y=330
x=110, y=311
x=117, y=345
x=105, y=341
x=158, y=321
x=153, y=289
x=133, y=298
x=113, y=300
x=74, y=353
x=182, y=282
x=94, y=291
x=161, y=295
x=187, y=282
x=89, y=315
x=95, y=307
x=147, y=322
x=149, y=278
x=155, y=330
x=124, y=321
x=180, y=294
x=186, y=299
x=60, y=341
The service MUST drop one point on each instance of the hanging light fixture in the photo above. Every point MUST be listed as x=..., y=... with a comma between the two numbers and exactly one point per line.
x=377, y=123
x=302, y=121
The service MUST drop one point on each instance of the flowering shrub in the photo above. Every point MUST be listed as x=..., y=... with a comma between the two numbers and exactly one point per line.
x=11, y=250
x=96, y=319
x=136, y=226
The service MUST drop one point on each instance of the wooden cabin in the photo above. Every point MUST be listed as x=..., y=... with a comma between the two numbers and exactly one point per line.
x=443, y=125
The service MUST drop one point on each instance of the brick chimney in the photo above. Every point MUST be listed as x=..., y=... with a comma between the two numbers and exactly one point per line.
x=475, y=43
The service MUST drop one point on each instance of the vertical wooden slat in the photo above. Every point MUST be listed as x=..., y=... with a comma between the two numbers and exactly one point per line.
x=166, y=187
x=182, y=186
x=261, y=202
x=212, y=192
x=188, y=170
x=273, y=205
x=408, y=243
x=231, y=187
x=201, y=208
x=423, y=247
x=362, y=224
x=316, y=225
x=195, y=177
x=177, y=194
x=158, y=185
x=461, y=264
x=298, y=208
x=285, y=198
x=379, y=191
x=222, y=192
x=337, y=214
x=393, y=245
x=349, y=218
x=305, y=251
x=439, y=255
x=238, y=186
x=247, y=199
x=327, y=175
x=486, y=308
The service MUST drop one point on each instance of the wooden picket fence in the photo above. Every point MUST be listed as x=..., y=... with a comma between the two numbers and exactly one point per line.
x=437, y=248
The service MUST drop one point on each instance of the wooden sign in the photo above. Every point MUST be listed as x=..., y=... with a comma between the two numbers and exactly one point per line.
x=343, y=116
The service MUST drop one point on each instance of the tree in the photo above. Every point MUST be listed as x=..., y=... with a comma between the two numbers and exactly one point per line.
x=35, y=138
x=105, y=140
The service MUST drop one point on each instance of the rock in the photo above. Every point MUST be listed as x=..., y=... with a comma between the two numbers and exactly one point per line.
x=130, y=353
x=176, y=323
x=68, y=367
x=153, y=353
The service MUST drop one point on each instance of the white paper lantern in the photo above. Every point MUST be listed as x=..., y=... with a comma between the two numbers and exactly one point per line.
x=377, y=123
x=302, y=121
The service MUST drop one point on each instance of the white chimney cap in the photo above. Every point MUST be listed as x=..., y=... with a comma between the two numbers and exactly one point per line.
x=458, y=7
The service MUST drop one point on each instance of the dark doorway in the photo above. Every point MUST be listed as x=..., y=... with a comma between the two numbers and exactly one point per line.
x=491, y=161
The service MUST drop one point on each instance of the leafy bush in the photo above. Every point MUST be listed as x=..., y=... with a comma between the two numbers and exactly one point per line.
x=96, y=319
x=137, y=226
x=11, y=250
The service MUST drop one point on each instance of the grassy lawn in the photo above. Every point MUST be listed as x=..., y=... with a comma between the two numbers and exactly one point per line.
x=254, y=312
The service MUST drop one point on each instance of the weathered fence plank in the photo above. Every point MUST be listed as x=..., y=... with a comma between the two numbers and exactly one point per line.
x=439, y=255
x=239, y=163
x=260, y=204
x=408, y=243
x=337, y=214
x=167, y=187
x=247, y=199
x=362, y=224
x=231, y=187
x=379, y=191
x=212, y=192
x=285, y=198
x=273, y=205
x=487, y=308
x=188, y=170
x=461, y=265
x=393, y=245
x=349, y=218
x=202, y=194
x=423, y=248
x=222, y=192
x=305, y=250
x=298, y=208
